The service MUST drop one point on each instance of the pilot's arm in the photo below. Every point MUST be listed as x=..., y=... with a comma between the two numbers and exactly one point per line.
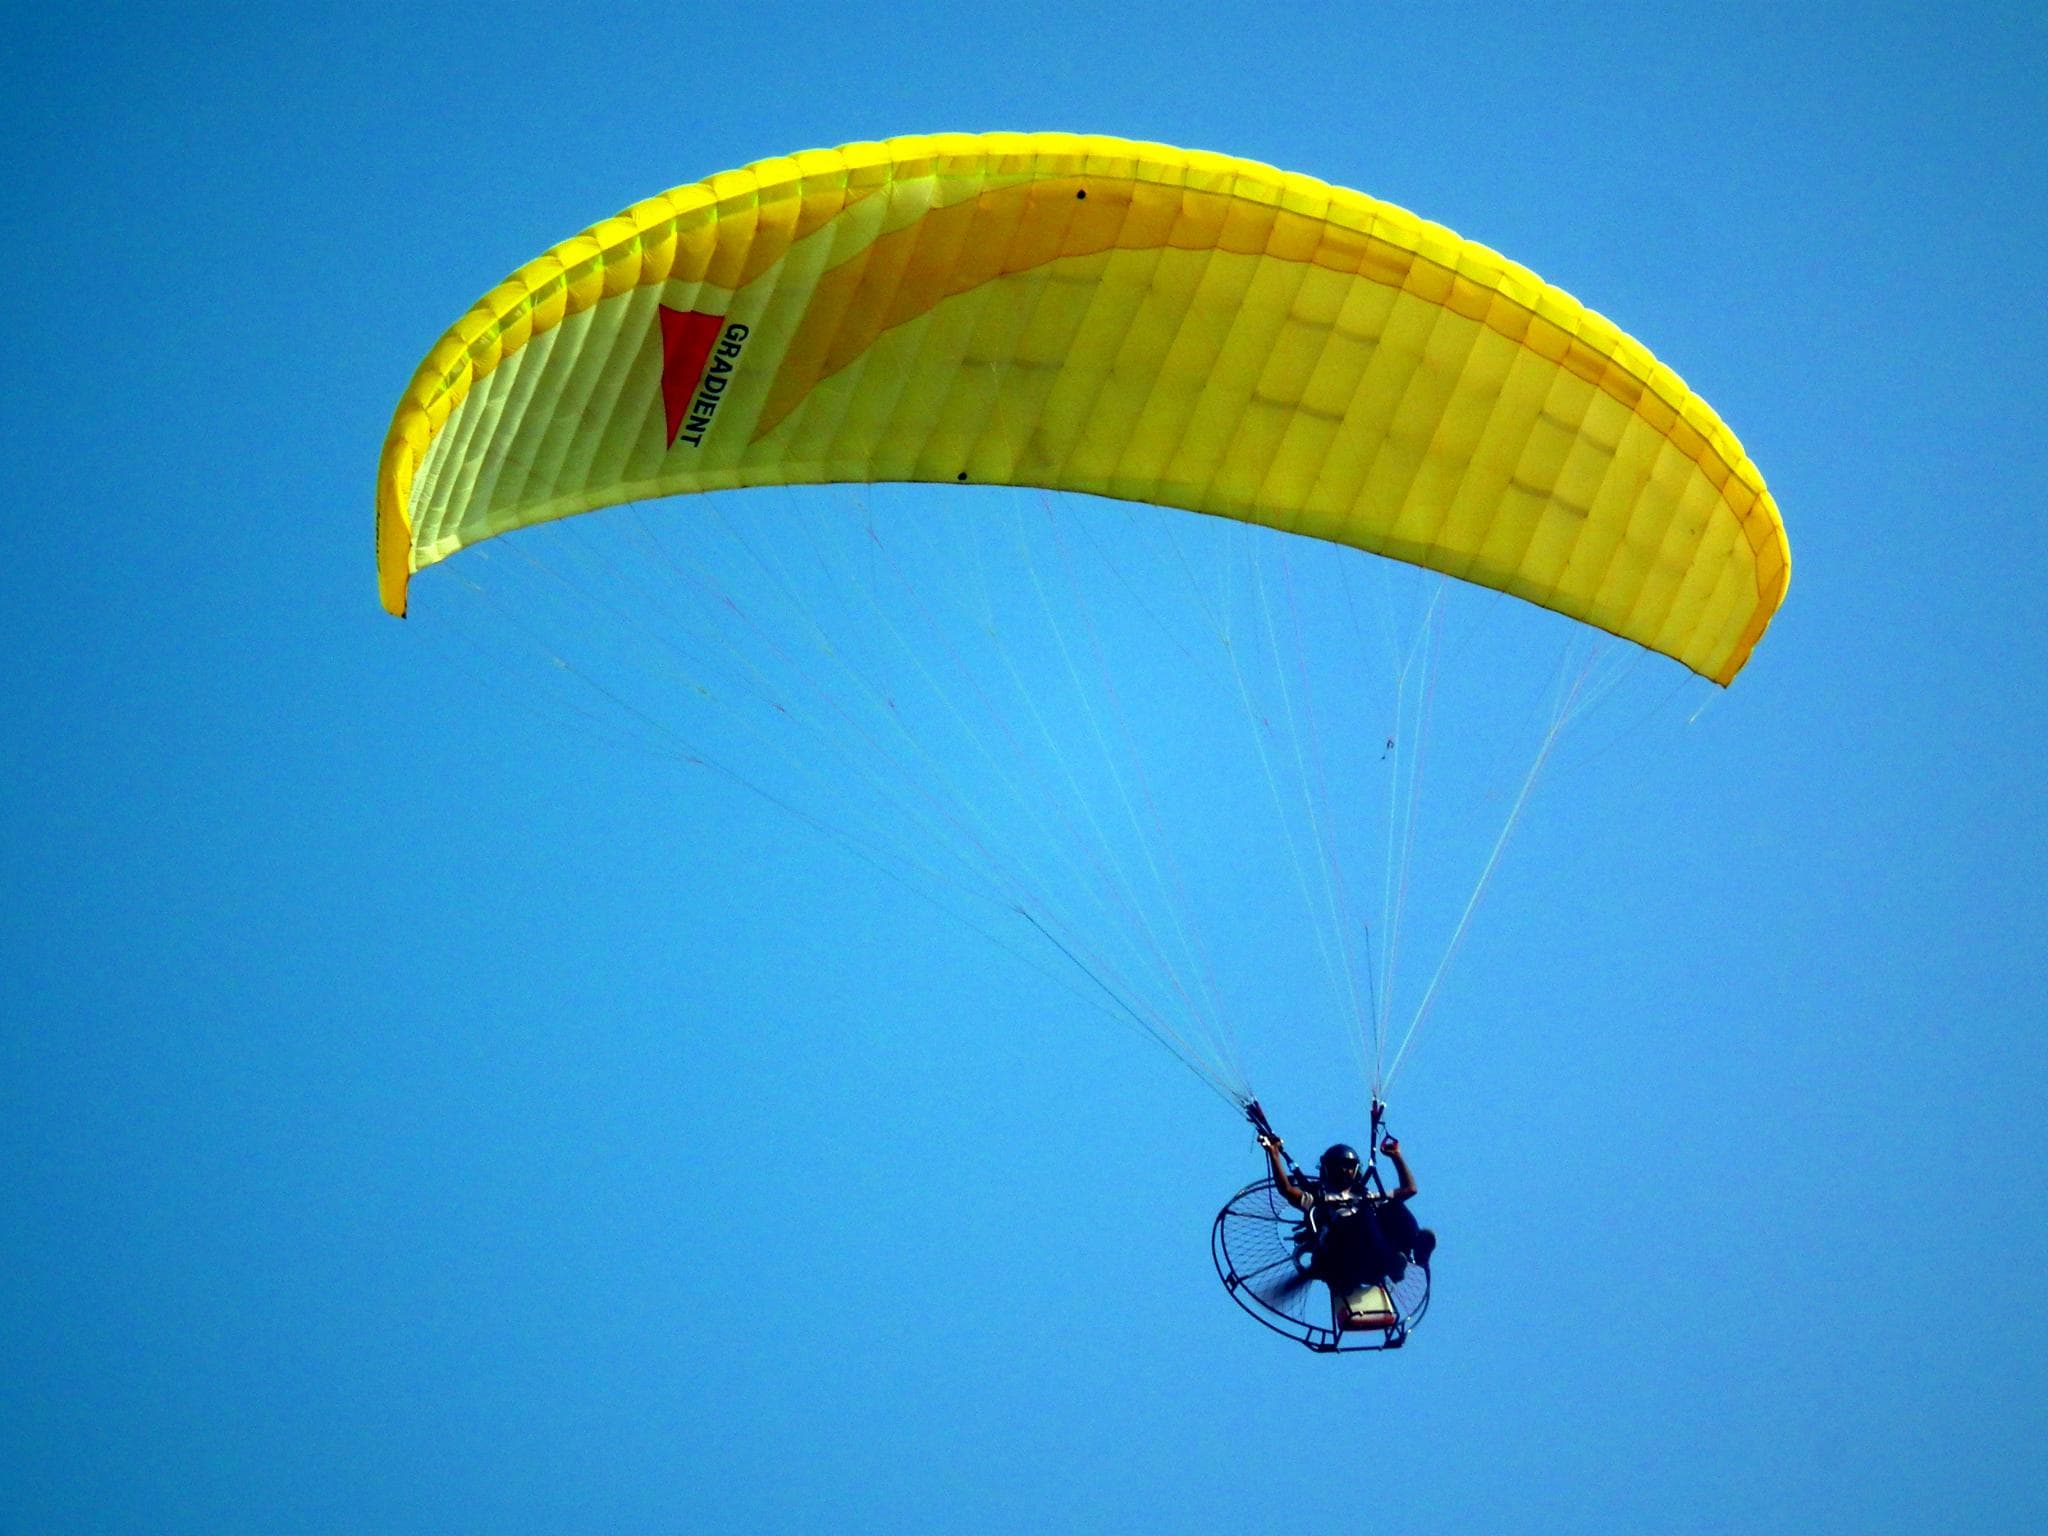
x=1405, y=1190
x=1294, y=1195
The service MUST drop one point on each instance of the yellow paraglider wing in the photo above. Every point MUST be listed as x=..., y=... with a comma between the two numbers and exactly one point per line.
x=1092, y=315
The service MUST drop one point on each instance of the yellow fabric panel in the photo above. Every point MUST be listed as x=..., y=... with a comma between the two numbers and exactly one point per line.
x=1093, y=315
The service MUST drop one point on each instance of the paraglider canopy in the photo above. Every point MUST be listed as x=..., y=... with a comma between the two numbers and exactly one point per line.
x=1087, y=314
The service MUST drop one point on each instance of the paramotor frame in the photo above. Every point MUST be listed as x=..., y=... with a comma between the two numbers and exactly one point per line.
x=1263, y=1249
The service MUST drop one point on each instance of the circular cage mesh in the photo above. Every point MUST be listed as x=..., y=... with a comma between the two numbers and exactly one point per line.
x=1262, y=1249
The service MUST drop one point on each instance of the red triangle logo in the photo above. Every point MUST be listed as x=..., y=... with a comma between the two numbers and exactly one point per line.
x=687, y=337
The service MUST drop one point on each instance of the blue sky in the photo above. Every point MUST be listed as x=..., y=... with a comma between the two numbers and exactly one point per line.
x=418, y=1116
